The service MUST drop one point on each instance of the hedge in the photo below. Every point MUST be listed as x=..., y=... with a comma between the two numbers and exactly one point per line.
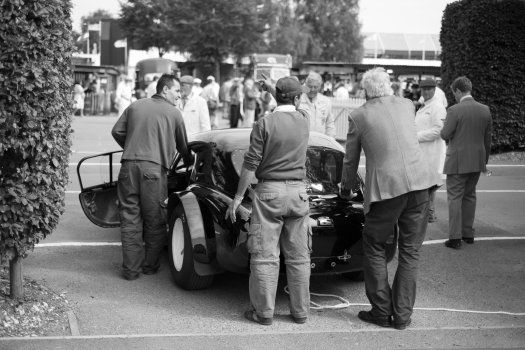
x=485, y=41
x=35, y=120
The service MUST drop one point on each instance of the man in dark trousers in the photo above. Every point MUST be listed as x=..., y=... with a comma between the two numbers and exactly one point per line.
x=277, y=158
x=397, y=184
x=150, y=131
x=467, y=130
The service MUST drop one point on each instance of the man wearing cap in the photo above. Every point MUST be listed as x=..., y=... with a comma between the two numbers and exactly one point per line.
x=397, y=183
x=193, y=107
x=429, y=122
x=318, y=107
x=151, y=132
x=277, y=157
x=211, y=95
x=197, y=88
x=468, y=130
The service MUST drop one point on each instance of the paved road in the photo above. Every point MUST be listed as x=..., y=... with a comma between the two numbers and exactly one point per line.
x=458, y=291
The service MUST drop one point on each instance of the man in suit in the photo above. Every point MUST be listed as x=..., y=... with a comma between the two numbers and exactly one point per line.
x=397, y=183
x=467, y=130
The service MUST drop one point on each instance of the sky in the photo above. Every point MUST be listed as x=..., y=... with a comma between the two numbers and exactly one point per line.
x=388, y=16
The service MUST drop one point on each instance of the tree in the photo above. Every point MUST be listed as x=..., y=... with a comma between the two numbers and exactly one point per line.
x=483, y=40
x=211, y=30
x=335, y=29
x=35, y=124
x=147, y=25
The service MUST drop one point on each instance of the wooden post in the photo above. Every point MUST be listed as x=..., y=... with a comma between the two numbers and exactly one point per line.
x=15, y=276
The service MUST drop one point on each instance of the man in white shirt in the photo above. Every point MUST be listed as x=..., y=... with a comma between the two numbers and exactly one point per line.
x=211, y=95
x=193, y=107
x=317, y=107
x=197, y=88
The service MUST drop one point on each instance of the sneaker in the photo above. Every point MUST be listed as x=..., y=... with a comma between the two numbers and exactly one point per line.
x=383, y=321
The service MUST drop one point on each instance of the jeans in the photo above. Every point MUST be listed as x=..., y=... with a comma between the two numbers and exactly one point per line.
x=280, y=221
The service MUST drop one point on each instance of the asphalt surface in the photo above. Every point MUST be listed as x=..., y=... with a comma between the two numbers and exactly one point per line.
x=468, y=298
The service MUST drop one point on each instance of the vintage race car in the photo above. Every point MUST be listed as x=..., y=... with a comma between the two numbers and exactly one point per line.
x=202, y=243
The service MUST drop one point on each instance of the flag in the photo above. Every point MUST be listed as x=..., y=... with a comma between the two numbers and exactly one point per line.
x=121, y=43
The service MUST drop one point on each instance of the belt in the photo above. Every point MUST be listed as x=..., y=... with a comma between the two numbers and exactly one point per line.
x=281, y=180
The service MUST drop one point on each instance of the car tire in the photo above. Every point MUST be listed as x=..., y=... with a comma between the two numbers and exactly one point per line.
x=180, y=253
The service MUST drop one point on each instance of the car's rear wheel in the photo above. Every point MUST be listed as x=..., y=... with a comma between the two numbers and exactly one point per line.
x=180, y=253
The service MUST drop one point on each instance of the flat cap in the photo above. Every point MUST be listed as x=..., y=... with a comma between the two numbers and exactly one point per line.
x=186, y=79
x=288, y=87
x=429, y=82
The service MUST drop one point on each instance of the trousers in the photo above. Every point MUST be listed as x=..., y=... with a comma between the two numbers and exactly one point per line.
x=142, y=187
x=280, y=222
x=461, y=197
x=409, y=211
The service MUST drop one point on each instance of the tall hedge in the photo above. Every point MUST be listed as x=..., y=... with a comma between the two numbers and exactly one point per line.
x=35, y=120
x=485, y=41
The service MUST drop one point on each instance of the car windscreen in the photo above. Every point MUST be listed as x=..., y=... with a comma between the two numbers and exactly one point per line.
x=323, y=169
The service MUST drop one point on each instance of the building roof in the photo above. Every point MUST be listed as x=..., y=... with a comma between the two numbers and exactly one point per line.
x=401, y=44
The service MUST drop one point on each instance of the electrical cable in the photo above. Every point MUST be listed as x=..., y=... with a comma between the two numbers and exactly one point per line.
x=345, y=303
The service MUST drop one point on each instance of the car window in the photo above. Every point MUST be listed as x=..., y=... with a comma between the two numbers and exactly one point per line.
x=323, y=170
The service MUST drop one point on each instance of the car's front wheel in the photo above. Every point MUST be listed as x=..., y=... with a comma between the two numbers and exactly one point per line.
x=180, y=253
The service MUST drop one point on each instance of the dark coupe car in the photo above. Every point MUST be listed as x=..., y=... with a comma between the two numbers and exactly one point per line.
x=202, y=243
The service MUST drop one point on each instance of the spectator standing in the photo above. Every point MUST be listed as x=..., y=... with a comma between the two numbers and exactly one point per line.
x=152, y=87
x=317, y=106
x=429, y=122
x=468, y=131
x=250, y=95
x=341, y=92
x=236, y=100
x=224, y=98
x=78, y=98
x=277, y=157
x=124, y=94
x=197, y=88
x=396, y=190
x=193, y=107
x=211, y=95
x=151, y=131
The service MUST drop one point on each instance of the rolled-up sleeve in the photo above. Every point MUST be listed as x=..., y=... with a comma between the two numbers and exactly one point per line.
x=253, y=157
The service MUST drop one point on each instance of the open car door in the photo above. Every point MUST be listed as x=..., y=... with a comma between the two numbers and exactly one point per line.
x=98, y=176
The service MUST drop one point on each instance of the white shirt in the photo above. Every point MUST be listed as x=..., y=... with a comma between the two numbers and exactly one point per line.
x=319, y=112
x=195, y=114
x=429, y=122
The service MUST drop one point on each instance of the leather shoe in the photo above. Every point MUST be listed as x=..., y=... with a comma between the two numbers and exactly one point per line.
x=453, y=243
x=468, y=240
x=131, y=277
x=150, y=271
x=383, y=321
x=402, y=325
x=299, y=320
x=252, y=316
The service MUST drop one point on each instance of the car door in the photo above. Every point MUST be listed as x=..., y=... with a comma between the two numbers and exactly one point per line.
x=97, y=177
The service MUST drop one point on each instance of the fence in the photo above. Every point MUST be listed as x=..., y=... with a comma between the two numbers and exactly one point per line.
x=100, y=103
x=341, y=109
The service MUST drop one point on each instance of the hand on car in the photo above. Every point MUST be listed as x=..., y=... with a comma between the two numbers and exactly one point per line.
x=346, y=193
x=232, y=209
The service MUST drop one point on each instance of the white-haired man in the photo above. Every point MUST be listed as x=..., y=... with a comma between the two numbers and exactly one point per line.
x=397, y=183
x=317, y=106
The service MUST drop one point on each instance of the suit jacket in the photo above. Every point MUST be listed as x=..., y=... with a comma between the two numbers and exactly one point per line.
x=385, y=129
x=468, y=129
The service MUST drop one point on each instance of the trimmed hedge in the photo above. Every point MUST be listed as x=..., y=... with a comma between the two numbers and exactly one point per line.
x=485, y=41
x=35, y=120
